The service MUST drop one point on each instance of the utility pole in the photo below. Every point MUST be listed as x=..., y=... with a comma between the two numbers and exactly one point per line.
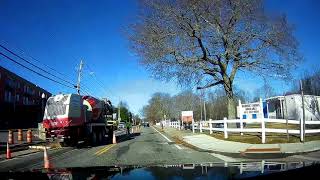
x=303, y=111
x=204, y=110
x=119, y=118
x=79, y=76
x=200, y=109
x=204, y=106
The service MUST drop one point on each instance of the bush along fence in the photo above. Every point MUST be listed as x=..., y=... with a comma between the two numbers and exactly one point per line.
x=222, y=126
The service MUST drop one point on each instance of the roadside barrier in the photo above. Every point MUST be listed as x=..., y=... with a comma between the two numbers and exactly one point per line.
x=20, y=135
x=8, y=151
x=10, y=137
x=29, y=136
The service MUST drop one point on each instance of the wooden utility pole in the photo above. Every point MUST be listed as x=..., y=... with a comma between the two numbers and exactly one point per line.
x=79, y=76
x=303, y=126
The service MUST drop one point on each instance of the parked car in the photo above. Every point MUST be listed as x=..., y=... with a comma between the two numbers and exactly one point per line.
x=220, y=125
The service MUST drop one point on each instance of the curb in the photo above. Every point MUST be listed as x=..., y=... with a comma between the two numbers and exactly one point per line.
x=263, y=153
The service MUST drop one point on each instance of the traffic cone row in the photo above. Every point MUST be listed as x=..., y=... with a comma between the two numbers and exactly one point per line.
x=29, y=136
x=20, y=135
x=10, y=137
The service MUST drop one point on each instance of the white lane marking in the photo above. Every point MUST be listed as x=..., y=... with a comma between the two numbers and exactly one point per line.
x=162, y=135
x=223, y=158
x=177, y=146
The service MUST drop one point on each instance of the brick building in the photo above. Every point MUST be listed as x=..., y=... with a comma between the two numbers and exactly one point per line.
x=21, y=102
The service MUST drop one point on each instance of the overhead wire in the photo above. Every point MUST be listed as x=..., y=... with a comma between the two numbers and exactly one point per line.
x=99, y=82
x=9, y=58
x=43, y=70
x=85, y=88
x=38, y=61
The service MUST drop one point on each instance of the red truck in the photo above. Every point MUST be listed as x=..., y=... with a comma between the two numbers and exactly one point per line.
x=71, y=118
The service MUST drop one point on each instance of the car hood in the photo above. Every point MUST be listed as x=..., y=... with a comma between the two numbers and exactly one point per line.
x=180, y=171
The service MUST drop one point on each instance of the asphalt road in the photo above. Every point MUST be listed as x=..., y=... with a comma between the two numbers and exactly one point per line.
x=148, y=148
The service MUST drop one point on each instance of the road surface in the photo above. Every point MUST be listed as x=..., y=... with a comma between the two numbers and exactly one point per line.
x=148, y=148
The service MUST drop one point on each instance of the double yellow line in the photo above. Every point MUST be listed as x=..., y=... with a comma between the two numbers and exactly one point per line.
x=103, y=150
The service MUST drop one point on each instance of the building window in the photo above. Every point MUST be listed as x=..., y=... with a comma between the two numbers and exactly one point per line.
x=18, y=85
x=7, y=96
x=17, y=97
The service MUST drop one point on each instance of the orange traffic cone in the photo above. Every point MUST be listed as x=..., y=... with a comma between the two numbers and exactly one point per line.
x=114, y=140
x=29, y=136
x=8, y=151
x=46, y=159
x=10, y=137
x=20, y=135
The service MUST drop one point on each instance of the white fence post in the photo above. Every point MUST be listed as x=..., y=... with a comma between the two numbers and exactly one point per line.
x=200, y=126
x=210, y=126
x=225, y=127
x=263, y=131
x=301, y=130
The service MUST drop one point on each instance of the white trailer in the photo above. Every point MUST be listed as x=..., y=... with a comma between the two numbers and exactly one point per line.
x=290, y=106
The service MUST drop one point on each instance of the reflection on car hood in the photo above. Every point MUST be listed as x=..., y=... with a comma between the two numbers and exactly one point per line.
x=239, y=170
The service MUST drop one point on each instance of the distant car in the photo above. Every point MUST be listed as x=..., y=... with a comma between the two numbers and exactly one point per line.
x=220, y=125
x=121, y=125
x=146, y=124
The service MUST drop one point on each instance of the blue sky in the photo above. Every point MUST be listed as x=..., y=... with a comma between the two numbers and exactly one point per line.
x=60, y=33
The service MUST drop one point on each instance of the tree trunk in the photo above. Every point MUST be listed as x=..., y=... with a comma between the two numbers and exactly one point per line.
x=231, y=103
x=231, y=108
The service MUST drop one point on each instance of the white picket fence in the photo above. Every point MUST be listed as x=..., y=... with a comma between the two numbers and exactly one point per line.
x=173, y=124
x=211, y=126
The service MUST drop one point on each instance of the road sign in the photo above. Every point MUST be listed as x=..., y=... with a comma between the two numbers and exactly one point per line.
x=250, y=110
x=187, y=116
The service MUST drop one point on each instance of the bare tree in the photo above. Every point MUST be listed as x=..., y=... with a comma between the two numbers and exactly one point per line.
x=206, y=42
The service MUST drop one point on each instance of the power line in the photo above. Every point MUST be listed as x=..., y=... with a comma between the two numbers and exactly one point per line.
x=13, y=53
x=100, y=82
x=35, y=71
x=35, y=59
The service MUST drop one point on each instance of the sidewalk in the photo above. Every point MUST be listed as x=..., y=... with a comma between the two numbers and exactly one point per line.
x=211, y=144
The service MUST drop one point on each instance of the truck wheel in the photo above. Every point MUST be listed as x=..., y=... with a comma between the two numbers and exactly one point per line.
x=103, y=134
x=110, y=136
x=100, y=139
x=94, y=138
